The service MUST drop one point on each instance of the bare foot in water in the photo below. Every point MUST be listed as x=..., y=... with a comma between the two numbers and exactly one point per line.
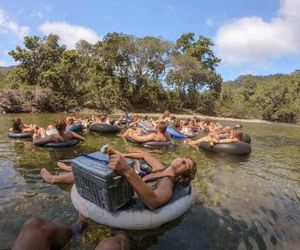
x=64, y=166
x=49, y=178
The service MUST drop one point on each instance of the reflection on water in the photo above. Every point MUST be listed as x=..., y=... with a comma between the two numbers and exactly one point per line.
x=248, y=202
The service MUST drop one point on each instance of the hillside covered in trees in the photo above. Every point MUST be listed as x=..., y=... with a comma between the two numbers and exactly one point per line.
x=273, y=98
x=147, y=74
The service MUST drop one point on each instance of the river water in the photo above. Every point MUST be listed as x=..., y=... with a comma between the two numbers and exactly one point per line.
x=242, y=202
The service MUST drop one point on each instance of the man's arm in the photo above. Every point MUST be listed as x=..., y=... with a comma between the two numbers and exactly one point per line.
x=77, y=136
x=152, y=199
x=144, y=138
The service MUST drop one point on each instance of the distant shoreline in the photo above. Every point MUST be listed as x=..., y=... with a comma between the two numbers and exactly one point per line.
x=206, y=117
x=201, y=116
x=156, y=115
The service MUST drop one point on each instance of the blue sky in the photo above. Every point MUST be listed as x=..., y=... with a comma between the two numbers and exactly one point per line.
x=251, y=36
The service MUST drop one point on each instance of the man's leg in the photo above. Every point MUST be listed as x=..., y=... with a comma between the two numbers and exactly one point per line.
x=64, y=166
x=67, y=178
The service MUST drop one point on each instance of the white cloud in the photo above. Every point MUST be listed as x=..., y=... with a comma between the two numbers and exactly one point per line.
x=251, y=39
x=69, y=34
x=7, y=25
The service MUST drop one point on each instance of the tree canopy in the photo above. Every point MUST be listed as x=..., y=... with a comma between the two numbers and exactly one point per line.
x=124, y=72
x=273, y=98
x=120, y=71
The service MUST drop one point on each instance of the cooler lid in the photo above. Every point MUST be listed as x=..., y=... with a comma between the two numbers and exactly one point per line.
x=96, y=163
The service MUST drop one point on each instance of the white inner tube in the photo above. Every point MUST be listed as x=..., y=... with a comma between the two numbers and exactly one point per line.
x=138, y=218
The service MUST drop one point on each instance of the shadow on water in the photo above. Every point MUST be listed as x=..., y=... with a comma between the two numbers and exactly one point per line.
x=225, y=158
x=210, y=231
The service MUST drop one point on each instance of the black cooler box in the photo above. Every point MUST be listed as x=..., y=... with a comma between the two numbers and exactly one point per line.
x=96, y=182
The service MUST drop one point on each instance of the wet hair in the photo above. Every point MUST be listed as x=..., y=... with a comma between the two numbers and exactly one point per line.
x=188, y=176
x=103, y=117
x=16, y=126
x=60, y=125
x=237, y=133
x=166, y=114
x=177, y=124
x=240, y=126
x=146, y=117
x=162, y=127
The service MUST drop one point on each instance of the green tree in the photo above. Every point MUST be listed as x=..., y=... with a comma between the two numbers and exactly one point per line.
x=193, y=70
x=37, y=56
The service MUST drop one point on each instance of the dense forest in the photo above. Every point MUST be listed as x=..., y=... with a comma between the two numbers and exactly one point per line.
x=273, y=97
x=139, y=74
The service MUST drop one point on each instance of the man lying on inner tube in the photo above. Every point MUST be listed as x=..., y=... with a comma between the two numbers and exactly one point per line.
x=40, y=136
x=155, y=189
x=236, y=135
x=159, y=136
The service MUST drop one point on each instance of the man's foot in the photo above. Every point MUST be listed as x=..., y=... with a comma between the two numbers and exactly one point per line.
x=64, y=166
x=49, y=178
x=79, y=225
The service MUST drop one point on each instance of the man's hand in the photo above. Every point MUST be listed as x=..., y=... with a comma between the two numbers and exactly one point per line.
x=187, y=142
x=119, y=164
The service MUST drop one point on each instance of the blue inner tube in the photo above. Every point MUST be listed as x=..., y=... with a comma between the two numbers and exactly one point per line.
x=151, y=144
x=173, y=132
x=237, y=148
x=76, y=127
x=105, y=128
x=63, y=144
x=20, y=135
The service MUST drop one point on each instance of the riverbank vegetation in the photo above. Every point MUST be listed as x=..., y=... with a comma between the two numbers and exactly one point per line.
x=272, y=98
x=147, y=74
